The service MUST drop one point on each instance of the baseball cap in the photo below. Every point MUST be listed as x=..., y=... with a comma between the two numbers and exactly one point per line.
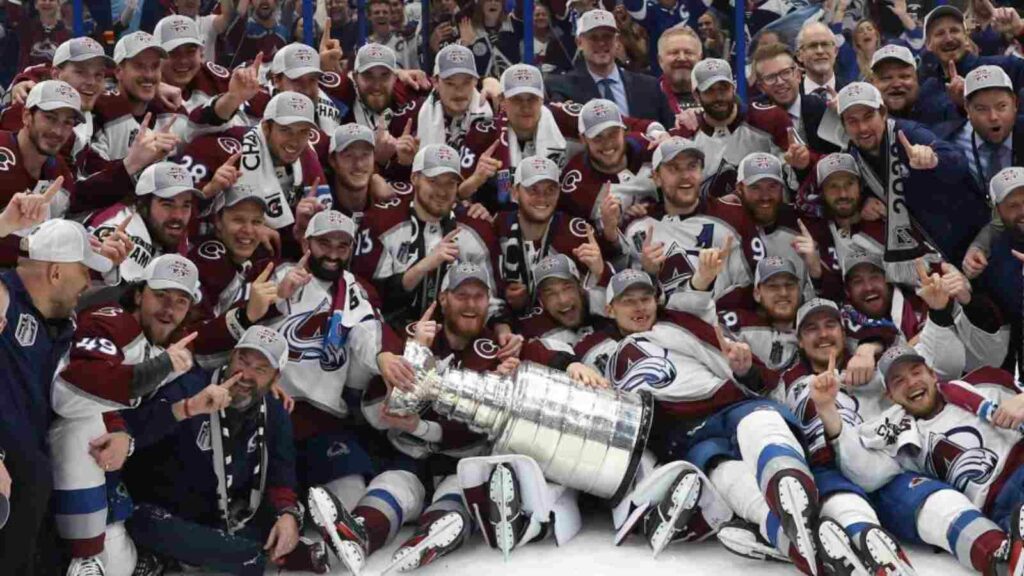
x=295, y=60
x=266, y=341
x=174, y=272
x=522, y=79
x=624, y=280
x=759, y=166
x=165, y=180
x=240, y=192
x=984, y=77
x=859, y=256
x=599, y=115
x=79, y=50
x=710, y=71
x=770, y=266
x=436, y=159
x=290, y=108
x=1005, y=182
x=672, y=147
x=464, y=272
x=348, y=134
x=64, y=241
x=537, y=169
x=555, y=266
x=373, y=55
x=896, y=355
x=893, y=52
x=455, y=59
x=940, y=11
x=813, y=306
x=594, y=19
x=176, y=30
x=327, y=221
x=53, y=95
x=834, y=163
x=131, y=45
x=859, y=93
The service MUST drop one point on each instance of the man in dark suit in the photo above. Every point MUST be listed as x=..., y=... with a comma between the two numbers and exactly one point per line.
x=817, y=52
x=598, y=76
x=779, y=79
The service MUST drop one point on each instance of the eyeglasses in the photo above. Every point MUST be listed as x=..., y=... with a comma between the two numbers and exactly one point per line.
x=815, y=46
x=784, y=75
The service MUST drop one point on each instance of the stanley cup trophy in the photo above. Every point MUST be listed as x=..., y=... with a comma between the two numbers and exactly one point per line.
x=583, y=438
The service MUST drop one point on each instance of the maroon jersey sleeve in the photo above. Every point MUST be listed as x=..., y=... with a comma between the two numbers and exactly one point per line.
x=96, y=364
x=482, y=134
x=771, y=119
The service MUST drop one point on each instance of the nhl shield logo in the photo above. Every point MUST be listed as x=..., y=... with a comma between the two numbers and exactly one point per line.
x=25, y=332
x=203, y=438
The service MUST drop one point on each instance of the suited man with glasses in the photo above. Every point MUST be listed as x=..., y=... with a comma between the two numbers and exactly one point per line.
x=779, y=80
x=816, y=50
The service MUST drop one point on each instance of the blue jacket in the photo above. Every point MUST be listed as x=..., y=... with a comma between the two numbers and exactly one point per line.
x=933, y=103
x=948, y=131
x=944, y=201
x=30, y=349
x=173, y=463
x=1002, y=281
x=930, y=67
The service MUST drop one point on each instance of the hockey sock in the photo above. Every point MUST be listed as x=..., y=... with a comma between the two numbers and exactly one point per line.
x=392, y=498
x=347, y=489
x=738, y=487
x=851, y=511
x=766, y=441
x=949, y=520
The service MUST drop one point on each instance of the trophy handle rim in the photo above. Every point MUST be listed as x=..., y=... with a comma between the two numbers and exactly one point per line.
x=646, y=422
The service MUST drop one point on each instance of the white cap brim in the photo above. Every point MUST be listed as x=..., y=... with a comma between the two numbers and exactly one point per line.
x=714, y=80
x=758, y=177
x=598, y=27
x=85, y=58
x=289, y=120
x=274, y=362
x=536, y=178
x=178, y=42
x=58, y=105
x=302, y=71
x=438, y=170
x=372, y=65
x=453, y=71
x=158, y=284
x=127, y=56
x=595, y=130
x=524, y=90
x=172, y=191
x=98, y=262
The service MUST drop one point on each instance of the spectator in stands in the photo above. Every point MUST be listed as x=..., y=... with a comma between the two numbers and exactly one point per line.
x=658, y=16
x=261, y=31
x=679, y=49
x=381, y=31
x=550, y=52
x=717, y=43
x=211, y=26
x=40, y=31
x=489, y=33
x=598, y=76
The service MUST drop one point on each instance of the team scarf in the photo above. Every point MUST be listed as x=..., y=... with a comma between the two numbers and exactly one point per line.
x=238, y=512
x=349, y=307
x=548, y=141
x=901, y=244
x=257, y=167
x=433, y=128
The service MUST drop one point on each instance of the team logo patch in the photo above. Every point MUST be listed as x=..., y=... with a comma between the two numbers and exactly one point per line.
x=304, y=55
x=639, y=363
x=203, y=438
x=180, y=269
x=229, y=145
x=960, y=458
x=579, y=227
x=25, y=332
x=485, y=348
x=571, y=180
x=212, y=250
x=7, y=158
x=217, y=70
x=338, y=449
x=330, y=80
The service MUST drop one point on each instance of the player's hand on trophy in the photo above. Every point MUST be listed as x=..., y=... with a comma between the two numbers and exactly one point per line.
x=407, y=423
x=1010, y=413
x=586, y=375
x=507, y=366
x=396, y=371
x=510, y=345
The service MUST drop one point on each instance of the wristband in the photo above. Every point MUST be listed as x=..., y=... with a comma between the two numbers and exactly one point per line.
x=185, y=409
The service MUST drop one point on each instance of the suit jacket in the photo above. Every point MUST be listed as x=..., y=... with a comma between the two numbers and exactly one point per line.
x=643, y=93
x=948, y=131
x=812, y=109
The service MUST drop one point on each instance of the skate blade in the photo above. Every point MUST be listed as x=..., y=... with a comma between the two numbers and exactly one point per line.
x=752, y=550
x=436, y=534
x=840, y=546
x=501, y=493
x=685, y=497
x=791, y=493
x=891, y=558
x=320, y=501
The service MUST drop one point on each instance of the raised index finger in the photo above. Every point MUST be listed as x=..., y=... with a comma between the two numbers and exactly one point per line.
x=832, y=362
x=145, y=123
x=304, y=261
x=723, y=342
x=727, y=248
x=903, y=140
x=429, y=314
x=257, y=61
x=186, y=340
x=51, y=191
x=124, y=223
x=492, y=148
x=313, y=188
x=408, y=128
x=951, y=69
x=266, y=273
x=922, y=271
x=231, y=381
x=590, y=235
x=803, y=228
x=650, y=235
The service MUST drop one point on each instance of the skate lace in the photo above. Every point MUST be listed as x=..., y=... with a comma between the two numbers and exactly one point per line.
x=89, y=567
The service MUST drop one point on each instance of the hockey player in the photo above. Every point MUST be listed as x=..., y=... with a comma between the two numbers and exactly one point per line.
x=963, y=432
x=407, y=244
x=536, y=230
x=727, y=130
x=186, y=67
x=526, y=127
x=275, y=159
x=119, y=118
x=350, y=173
x=120, y=354
x=611, y=174
x=904, y=164
x=164, y=196
x=567, y=307
x=443, y=117
x=205, y=498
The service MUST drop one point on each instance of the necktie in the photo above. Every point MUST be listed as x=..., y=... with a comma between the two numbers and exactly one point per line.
x=822, y=92
x=604, y=86
x=995, y=158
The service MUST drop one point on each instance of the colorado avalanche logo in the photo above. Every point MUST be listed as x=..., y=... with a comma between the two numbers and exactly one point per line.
x=763, y=161
x=7, y=158
x=639, y=363
x=330, y=80
x=571, y=180
x=522, y=74
x=229, y=145
x=485, y=348
x=960, y=458
x=305, y=336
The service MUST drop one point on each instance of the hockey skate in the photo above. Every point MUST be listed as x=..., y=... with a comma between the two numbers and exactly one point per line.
x=91, y=566
x=742, y=538
x=340, y=530
x=883, y=555
x=308, y=556
x=444, y=534
x=149, y=564
x=663, y=522
x=506, y=508
x=1016, y=561
x=797, y=508
x=837, y=552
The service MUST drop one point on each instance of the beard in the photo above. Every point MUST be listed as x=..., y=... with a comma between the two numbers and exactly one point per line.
x=316, y=266
x=718, y=112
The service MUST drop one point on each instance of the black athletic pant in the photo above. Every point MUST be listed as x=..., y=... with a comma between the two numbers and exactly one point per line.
x=31, y=485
